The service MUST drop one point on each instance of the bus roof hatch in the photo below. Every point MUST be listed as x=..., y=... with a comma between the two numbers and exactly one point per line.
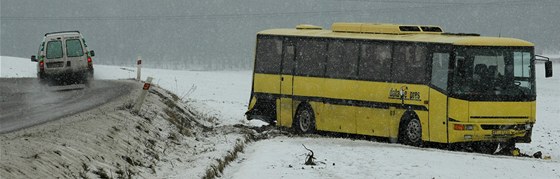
x=373, y=28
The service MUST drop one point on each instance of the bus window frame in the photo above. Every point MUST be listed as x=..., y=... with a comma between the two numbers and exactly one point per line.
x=492, y=98
x=299, y=43
x=288, y=42
x=374, y=44
x=425, y=79
x=336, y=75
x=440, y=48
x=258, y=60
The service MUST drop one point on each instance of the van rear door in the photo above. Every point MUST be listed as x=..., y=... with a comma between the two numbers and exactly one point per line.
x=76, y=60
x=54, y=57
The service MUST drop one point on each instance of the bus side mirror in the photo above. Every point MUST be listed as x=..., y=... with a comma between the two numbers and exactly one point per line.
x=92, y=53
x=548, y=69
x=33, y=58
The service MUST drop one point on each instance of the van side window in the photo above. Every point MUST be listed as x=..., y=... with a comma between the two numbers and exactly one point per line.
x=41, y=48
x=74, y=48
x=54, y=49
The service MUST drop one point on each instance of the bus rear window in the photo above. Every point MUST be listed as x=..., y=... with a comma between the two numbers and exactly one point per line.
x=74, y=48
x=54, y=49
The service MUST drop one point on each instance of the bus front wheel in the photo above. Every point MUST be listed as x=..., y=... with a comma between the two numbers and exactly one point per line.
x=304, y=120
x=411, y=132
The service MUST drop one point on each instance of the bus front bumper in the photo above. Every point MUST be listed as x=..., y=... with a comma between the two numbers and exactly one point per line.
x=473, y=132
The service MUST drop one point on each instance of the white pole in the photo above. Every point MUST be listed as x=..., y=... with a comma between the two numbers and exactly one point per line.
x=142, y=96
x=139, y=68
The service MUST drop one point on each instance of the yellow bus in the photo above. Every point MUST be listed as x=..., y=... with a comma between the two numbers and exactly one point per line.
x=411, y=84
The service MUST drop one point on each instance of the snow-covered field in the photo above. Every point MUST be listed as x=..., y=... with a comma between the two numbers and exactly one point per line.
x=225, y=94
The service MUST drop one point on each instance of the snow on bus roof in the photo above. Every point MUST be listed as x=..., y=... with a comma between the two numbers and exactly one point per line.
x=445, y=38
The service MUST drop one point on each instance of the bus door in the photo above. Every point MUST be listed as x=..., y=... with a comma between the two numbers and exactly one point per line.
x=438, y=120
x=285, y=113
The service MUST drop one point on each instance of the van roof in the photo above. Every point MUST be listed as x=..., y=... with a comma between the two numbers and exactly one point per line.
x=62, y=33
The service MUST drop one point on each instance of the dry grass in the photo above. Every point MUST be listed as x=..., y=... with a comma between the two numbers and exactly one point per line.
x=215, y=170
x=179, y=121
x=127, y=105
x=101, y=173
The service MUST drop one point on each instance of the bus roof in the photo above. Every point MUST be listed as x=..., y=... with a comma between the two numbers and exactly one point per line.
x=390, y=32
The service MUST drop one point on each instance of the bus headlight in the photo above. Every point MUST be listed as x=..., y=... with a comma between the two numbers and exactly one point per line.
x=461, y=127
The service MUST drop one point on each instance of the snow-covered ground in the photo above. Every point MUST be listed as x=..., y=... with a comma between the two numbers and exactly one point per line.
x=225, y=94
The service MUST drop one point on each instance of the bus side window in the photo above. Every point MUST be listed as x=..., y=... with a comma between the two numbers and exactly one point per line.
x=342, y=59
x=408, y=64
x=310, y=60
x=269, y=53
x=375, y=62
x=440, y=63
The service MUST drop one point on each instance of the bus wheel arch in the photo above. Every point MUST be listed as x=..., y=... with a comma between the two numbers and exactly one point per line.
x=410, y=129
x=304, y=119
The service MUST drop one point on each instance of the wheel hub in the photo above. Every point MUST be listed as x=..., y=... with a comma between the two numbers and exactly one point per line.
x=304, y=120
x=413, y=131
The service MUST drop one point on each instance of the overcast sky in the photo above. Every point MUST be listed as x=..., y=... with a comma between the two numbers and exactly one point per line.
x=194, y=32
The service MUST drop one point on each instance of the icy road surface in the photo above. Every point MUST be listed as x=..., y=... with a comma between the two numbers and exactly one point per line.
x=25, y=102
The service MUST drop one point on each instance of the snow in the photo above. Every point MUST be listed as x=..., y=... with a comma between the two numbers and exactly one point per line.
x=13, y=67
x=553, y=56
x=225, y=94
x=344, y=158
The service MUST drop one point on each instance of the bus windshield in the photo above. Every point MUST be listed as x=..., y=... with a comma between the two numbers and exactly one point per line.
x=493, y=74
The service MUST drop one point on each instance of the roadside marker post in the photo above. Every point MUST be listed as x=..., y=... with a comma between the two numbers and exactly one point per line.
x=138, y=68
x=142, y=96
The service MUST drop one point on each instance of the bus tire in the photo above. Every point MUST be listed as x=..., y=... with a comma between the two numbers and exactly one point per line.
x=411, y=131
x=304, y=122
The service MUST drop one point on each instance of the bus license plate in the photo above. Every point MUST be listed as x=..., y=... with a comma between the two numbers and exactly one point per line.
x=502, y=132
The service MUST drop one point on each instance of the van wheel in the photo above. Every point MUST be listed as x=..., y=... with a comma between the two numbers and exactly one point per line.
x=41, y=76
x=305, y=120
x=411, y=132
x=90, y=74
x=82, y=77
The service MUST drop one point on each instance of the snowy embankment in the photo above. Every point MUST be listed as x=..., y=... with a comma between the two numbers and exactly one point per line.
x=225, y=95
x=166, y=139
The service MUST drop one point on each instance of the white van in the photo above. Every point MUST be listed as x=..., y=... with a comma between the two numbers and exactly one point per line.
x=63, y=56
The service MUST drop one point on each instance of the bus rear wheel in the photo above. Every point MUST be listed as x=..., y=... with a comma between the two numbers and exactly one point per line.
x=411, y=132
x=305, y=120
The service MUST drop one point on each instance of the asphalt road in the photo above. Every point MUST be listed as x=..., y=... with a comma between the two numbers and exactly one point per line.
x=24, y=102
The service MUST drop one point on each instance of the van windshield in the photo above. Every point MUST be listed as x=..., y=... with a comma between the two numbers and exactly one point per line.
x=74, y=48
x=54, y=49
